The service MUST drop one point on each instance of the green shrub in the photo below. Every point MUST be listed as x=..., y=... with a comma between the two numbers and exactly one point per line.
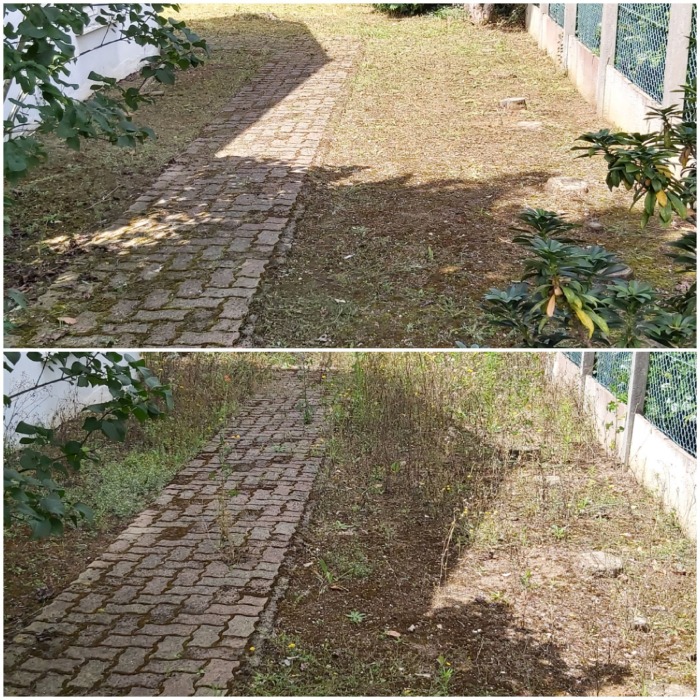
x=407, y=9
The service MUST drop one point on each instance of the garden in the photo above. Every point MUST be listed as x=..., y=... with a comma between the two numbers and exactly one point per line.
x=402, y=223
x=339, y=524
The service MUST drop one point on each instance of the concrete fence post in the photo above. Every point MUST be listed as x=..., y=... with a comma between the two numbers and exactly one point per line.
x=587, y=363
x=569, y=30
x=676, y=70
x=636, y=393
x=608, y=38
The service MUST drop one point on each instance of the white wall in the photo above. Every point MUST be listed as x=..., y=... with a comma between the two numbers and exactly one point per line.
x=48, y=406
x=116, y=60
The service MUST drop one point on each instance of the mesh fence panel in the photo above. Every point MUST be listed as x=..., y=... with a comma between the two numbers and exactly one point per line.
x=575, y=357
x=612, y=370
x=556, y=12
x=640, y=50
x=671, y=398
x=690, y=111
x=589, y=17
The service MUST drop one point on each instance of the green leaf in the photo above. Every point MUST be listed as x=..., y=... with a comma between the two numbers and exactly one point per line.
x=114, y=429
x=41, y=529
x=165, y=76
x=15, y=161
x=53, y=505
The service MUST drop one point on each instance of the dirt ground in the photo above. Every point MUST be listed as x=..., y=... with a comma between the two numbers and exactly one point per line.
x=406, y=215
x=489, y=600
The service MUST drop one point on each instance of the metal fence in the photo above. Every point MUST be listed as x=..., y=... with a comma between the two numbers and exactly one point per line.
x=640, y=48
x=575, y=357
x=556, y=12
x=671, y=398
x=612, y=370
x=690, y=111
x=589, y=22
x=668, y=388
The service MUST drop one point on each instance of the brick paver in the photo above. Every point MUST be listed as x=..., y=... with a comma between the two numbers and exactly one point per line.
x=169, y=608
x=181, y=269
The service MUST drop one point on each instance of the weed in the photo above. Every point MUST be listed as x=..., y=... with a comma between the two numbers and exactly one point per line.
x=325, y=574
x=444, y=677
x=356, y=617
x=560, y=533
x=353, y=565
x=498, y=597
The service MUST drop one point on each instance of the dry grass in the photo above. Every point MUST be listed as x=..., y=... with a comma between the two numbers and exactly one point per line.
x=460, y=494
x=408, y=209
x=407, y=216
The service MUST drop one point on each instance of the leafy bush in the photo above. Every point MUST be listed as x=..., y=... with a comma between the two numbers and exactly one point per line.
x=38, y=50
x=35, y=475
x=54, y=477
x=571, y=294
x=407, y=9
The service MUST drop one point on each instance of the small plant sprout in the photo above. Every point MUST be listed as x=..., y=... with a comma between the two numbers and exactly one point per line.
x=526, y=578
x=356, y=617
x=445, y=673
x=326, y=574
x=559, y=532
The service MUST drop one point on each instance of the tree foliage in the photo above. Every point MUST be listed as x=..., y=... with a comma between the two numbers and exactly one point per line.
x=39, y=48
x=406, y=8
x=32, y=491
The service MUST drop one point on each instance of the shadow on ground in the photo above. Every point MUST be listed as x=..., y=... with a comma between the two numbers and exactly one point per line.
x=384, y=533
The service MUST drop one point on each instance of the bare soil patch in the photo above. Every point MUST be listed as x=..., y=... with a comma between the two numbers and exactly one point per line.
x=469, y=581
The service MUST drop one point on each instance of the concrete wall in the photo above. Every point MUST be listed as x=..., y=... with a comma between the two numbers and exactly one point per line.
x=615, y=97
x=48, y=406
x=607, y=412
x=583, y=69
x=625, y=105
x=116, y=60
x=664, y=468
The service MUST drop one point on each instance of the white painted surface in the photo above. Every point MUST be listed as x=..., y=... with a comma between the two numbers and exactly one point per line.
x=608, y=414
x=117, y=60
x=667, y=470
x=48, y=406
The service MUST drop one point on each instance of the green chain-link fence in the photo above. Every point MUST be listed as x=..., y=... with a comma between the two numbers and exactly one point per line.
x=640, y=49
x=575, y=357
x=671, y=398
x=589, y=18
x=612, y=370
x=556, y=12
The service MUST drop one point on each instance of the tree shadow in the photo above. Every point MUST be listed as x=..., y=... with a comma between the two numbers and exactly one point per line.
x=402, y=451
x=393, y=262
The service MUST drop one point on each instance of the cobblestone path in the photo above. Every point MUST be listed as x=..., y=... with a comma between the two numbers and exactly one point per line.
x=169, y=608
x=181, y=268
